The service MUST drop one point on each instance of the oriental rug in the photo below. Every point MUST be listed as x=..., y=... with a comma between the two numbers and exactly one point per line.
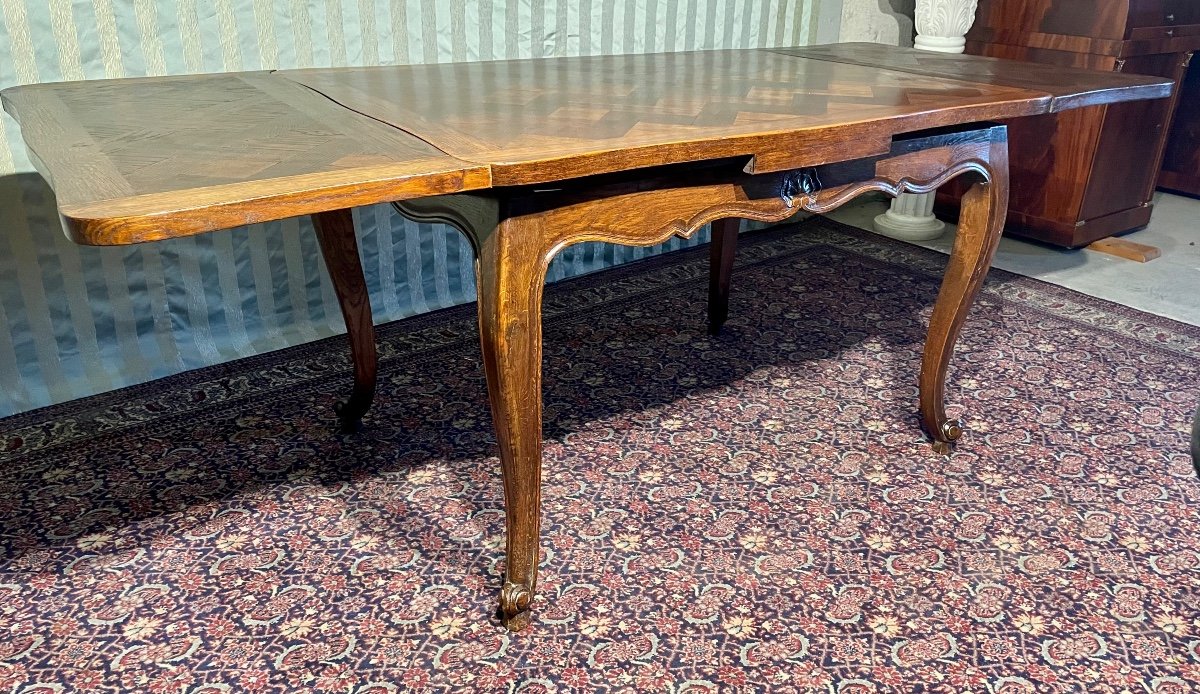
x=751, y=512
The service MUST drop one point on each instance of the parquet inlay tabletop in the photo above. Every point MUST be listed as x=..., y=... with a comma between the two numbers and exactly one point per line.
x=1069, y=87
x=182, y=155
x=179, y=150
x=523, y=116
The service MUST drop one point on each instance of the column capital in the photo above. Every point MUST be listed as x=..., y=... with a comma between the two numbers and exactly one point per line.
x=942, y=24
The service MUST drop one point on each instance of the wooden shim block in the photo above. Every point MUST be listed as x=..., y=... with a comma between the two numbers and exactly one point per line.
x=1126, y=249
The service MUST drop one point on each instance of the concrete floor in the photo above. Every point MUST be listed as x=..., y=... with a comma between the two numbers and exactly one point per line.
x=1167, y=286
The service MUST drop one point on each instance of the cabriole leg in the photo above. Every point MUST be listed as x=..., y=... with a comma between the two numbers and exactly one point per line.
x=510, y=273
x=981, y=222
x=335, y=233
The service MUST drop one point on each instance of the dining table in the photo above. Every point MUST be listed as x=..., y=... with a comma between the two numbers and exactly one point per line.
x=527, y=157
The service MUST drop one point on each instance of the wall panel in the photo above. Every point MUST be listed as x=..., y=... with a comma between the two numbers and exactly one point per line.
x=76, y=321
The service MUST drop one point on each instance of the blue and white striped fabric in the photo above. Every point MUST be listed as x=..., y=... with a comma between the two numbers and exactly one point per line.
x=76, y=321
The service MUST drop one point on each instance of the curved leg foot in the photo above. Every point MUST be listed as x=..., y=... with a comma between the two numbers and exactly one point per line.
x=951, y=430
x=720, y=269
x=350, y=412
x=335, y=233
x=980, y=225
x=514, y=606
x=511, y=271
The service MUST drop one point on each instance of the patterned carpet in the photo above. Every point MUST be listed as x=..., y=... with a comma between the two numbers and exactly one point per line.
x=750, y=512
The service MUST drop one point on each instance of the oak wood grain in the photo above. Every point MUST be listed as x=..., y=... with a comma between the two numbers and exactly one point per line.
x=339, y=248
x=1181, y=43
x=144, y=159
x=1067, y=88
x=517, y=232
x=536, y=121
x=979, y=229
x=136, y=160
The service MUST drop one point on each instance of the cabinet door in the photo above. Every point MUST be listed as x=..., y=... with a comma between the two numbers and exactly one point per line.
x=1181, y=163
x=1103, y=19
x=1130, y=150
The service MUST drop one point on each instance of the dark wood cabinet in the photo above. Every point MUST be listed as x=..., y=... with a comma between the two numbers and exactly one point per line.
x=1087, y=174
x=1181, y=163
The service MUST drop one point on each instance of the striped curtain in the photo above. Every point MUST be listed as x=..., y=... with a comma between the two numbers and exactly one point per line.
x=75, y=321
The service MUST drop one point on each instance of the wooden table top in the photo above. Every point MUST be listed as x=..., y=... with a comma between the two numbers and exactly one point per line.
x=141, y=159
x=533, y=121
x=148, y=158
x=1067, y=87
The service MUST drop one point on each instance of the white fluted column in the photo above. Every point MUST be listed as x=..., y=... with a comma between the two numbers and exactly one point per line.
x=942, y=26
x=910, y=218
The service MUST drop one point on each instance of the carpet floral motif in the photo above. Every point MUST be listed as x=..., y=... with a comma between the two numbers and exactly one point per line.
x=751, y=512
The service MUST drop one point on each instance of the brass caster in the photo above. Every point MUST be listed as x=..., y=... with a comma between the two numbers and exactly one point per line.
x=514, y=606
x=951, y=432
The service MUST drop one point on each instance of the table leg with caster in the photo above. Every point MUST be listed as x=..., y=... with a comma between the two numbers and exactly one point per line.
x=335, y=233
x=982, y=221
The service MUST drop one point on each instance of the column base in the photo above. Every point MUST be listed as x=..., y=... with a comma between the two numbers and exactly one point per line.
x=940, y=44
x=908, y=227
